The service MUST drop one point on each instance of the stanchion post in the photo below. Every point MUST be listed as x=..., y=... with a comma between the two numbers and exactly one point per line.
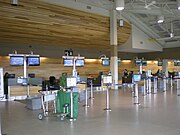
x=147, y=85
x=178, y=88
x=164, y=84
x=144, y=90
x=171, y=81
x=136, y=98
x=0, y=125
x=72, y=106
x=86, y=99
x=149, y=91
x=91, y=95
x=107, y=99
x=155, y=85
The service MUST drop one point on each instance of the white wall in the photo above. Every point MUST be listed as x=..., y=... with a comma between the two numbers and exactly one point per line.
x=139, y=42
x=79, y=6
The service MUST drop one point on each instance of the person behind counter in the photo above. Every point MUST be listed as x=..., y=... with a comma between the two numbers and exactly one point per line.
x=125, y=72
x=6, y=85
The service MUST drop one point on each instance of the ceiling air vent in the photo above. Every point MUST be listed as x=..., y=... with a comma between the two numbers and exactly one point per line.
x=88, y=7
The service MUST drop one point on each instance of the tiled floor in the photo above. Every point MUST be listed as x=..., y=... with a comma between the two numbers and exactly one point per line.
x=158, y=114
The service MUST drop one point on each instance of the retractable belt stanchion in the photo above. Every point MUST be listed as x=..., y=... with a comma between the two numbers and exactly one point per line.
x=71, y=104
x=155, y=85
x=136, y=79
x=178, y=86
x=107, y=99
x=149, y=81
x=86, y=99
x=136, y=97
x=71, y=83
x=171, y=82
x=164, y=84
x=91, y=95
x=144, y=89
x=107, y=79
x=147, y=85
x=0, y=125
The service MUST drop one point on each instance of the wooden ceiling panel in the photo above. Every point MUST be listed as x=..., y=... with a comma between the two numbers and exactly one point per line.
x=34, y=22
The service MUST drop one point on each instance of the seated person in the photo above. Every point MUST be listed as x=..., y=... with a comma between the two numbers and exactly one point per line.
x=125, y=74
x=53, y=84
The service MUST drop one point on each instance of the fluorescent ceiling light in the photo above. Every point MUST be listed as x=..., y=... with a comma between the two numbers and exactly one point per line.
x=119, y=4
x=160, y=19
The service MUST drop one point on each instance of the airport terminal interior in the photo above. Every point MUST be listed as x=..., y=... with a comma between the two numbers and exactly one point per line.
x=83, y=67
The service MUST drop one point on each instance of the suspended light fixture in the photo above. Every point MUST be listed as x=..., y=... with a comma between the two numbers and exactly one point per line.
x=178, y=4
x=14, y=2
x=160, y=19
x=119, y=4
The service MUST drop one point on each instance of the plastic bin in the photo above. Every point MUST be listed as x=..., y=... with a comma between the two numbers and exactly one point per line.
x=34, y=103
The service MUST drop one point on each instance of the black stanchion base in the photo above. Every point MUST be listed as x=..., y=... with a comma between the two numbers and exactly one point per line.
x=91, y=98
x=164, y=90
x=72, y=119
x=107, y=109
x=136, y=103
x=85, y=105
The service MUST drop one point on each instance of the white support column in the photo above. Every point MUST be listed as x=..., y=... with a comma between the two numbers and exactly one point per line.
x=114, y=51
x=165, y=67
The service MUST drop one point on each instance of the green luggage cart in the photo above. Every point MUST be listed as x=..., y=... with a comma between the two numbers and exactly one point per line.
x=63, y=101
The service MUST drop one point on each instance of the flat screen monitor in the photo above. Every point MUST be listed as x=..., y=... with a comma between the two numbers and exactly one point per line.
x=160, y=63
x=16, y=60
x=22, y=81
x=31, y=75
x=138, y=63
x=176, y=63
x=79, y=62
x=11, y=75
x=68, y=62
x=33, y=60
x=136, y=77
x=144, y=63
x=176, y=73
x=105, y=62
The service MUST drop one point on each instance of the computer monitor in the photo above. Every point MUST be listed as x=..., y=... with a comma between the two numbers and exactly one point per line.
x=138, y=62
x=22, y=81
x=68, y=62
x=105, y=62
x=16, y=60
x=176, y=73
x=176, y=63
x=160, y=63
x=31, y=75
x=33, y=60
x=144, y=63
x=11, y=75
x=136, y=77
x=80, y=62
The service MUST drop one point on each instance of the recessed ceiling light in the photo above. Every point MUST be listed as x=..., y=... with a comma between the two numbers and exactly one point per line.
x=119, y=4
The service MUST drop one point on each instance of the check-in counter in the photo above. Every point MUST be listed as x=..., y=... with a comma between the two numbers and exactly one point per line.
x=21, y=87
